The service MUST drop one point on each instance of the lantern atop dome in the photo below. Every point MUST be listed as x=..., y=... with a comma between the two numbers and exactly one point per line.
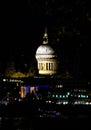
x=45, y=37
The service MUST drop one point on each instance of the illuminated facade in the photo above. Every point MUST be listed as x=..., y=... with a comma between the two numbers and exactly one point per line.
x=46, y=58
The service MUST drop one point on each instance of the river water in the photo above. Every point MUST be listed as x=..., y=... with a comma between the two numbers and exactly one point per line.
x=28, y=123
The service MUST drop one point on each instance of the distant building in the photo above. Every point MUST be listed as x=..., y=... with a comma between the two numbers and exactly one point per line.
x=46, y=58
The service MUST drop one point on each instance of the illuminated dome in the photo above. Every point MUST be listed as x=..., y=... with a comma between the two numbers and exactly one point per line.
x=45, y=50
x=46, y=57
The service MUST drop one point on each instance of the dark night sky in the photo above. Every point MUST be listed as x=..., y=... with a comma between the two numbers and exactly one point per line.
x=69, y=29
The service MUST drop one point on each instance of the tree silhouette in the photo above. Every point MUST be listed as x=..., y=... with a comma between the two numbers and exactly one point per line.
x=10, y=69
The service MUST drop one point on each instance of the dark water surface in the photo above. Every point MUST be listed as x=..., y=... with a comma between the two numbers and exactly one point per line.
x=26, y=123
x=25, y=117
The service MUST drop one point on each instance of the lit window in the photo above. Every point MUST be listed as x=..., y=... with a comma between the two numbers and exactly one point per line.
x=60, y=96
x=56, y=96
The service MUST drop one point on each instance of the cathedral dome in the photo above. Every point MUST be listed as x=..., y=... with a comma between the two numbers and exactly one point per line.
x=45, y=50
x=46, y=58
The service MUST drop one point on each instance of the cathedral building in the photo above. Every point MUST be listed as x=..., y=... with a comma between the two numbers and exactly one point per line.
x=46, y=58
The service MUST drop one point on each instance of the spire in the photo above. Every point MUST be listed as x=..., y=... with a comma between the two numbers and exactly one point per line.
x=45, y=37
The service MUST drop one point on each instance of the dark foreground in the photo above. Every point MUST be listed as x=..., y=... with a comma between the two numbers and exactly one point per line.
x=26, y=117
x=26, y=123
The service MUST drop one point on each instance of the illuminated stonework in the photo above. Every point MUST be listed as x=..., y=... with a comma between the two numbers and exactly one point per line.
x=46, y=58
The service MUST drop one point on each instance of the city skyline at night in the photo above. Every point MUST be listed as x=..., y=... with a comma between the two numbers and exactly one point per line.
x=45, y=66
x=68, y=24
